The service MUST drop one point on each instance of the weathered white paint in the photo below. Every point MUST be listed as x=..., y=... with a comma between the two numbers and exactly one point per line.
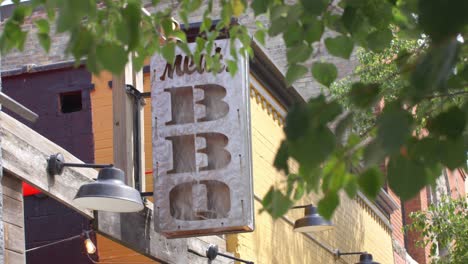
x=201, y=147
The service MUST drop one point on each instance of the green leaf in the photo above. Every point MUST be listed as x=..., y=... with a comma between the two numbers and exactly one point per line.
x=370, y=181
x=299, y=191
x=453, y=153
x=325, y=73
x=232, y=67
x=353, y=19
x=296, y=122
x=44, y=40
x=322, y=111
x=293, y=35
x=132, y=17
x=351, y=186
x=311, y=177
x=294, y=73
x=314, y=148
x=450, y=123
x=379, y=40
x=299, y=53
x=407, y=177
x=276, y=203
x=168, y=52
x=112, y=57
x=334, y=175
x=314, y=7
x=71, y=13
x=260, y=6
x=278, y=26
x=260, y=36
x=340, y=46
x=81, y=43
x=281, y=159
x=328, y=204
x=393, y=127
x=427, y=150
x=279, y=11
x=364, y=95
x=313, y=29
x=442, y=21
x=334, y=22
x=42, y=26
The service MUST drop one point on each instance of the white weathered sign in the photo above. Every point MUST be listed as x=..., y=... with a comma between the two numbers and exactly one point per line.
x=201, y=147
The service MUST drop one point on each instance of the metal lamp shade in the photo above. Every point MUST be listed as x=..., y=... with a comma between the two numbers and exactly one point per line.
x=109, y=193
x=366, y=259
x=312, y=221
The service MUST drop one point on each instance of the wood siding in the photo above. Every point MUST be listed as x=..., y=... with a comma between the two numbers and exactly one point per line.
x=13, y=220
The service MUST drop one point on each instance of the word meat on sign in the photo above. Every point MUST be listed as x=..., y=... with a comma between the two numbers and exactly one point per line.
x=201, y=146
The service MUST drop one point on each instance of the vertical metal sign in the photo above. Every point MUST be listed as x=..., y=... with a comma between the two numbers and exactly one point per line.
x=201, y=146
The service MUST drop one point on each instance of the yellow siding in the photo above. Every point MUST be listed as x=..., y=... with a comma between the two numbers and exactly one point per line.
x=356, y=228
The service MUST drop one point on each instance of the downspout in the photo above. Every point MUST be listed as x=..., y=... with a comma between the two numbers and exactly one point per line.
x=138, y=101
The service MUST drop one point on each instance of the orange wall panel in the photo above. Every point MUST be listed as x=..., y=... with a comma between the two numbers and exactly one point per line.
x=101, y=107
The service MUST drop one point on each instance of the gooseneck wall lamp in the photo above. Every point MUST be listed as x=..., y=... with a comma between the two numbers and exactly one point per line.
x=312, y=221
x=107, y=193
x=364, y=258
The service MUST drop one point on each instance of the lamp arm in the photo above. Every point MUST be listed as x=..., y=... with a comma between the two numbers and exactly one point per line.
x=299, y=206
x=87, y=165
x=236, y=259
x=339, y=254
x=56, y=163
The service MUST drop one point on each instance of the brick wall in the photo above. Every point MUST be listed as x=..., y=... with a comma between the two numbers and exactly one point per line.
x=398, y=237
x=418, y=203
x=33, y=52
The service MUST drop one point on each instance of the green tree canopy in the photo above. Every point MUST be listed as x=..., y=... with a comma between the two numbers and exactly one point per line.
x=331, y=158
x=444, y=227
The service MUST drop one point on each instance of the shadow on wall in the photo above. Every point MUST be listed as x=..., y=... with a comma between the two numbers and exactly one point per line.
x=349, y=232
x=347, y=235
x=275, y=242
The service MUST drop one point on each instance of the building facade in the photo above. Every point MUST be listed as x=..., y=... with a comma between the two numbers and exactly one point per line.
x=75, y=109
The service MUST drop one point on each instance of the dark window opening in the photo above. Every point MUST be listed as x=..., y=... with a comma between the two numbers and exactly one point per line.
x=70, y=102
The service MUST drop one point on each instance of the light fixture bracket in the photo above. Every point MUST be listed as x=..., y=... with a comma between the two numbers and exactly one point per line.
x=56, y=163
x=212, y=252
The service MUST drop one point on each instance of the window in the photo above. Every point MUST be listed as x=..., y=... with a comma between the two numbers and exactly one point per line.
x=70, y=102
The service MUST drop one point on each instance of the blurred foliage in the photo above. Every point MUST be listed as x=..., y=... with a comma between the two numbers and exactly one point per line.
x=413, y=56
x=444, y=227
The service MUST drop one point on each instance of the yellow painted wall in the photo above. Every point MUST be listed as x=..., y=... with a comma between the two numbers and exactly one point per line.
x=356, y=227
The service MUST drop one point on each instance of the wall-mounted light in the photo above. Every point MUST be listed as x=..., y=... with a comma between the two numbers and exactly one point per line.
x=88, y=243
x=212, y=252
x=364, y=258
x=107, y=193
x=312, y=221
